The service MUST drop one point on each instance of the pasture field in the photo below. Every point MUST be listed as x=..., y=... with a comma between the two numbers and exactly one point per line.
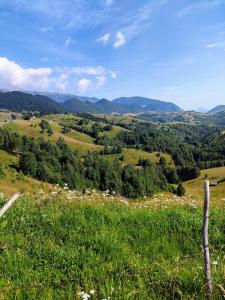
x=132, y=156
x=194, y=188
x=13, y=182
x=60, y=245
x=77, y=141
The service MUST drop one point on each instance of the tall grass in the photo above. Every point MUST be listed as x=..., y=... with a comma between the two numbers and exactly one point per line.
x=54, y=249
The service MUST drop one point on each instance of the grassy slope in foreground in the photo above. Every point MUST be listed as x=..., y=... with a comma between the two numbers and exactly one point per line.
x=56, y=247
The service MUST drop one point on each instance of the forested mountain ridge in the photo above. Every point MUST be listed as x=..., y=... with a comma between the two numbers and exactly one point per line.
x=149, y=104
x=216, y=109
x=19, y=101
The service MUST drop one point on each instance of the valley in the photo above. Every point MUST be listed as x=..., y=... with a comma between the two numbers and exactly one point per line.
x=110, y=205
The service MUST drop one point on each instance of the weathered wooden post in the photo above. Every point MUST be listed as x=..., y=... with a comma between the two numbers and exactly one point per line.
x=207, y=268
x=4, y=209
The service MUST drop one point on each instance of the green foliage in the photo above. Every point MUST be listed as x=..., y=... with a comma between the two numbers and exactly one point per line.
x=20, y=102
x=28, y=163
x=1, y=170
x=54, y=249
x=180, y=190
x=66, y=130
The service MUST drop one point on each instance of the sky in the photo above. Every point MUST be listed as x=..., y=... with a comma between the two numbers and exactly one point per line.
x=173, y=50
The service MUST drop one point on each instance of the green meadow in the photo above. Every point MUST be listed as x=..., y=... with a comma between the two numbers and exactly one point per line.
x=58, y=247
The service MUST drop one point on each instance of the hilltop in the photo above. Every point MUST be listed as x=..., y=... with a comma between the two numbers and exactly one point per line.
x=42, y=103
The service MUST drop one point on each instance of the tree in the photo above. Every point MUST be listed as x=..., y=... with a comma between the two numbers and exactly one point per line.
x=28, y=163
x=1, y=170
x=49, y=131
x=180, y=190
x=162, y=162
x=66, y=130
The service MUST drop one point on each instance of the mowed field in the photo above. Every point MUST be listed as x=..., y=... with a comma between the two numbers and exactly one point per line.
x=194, y=188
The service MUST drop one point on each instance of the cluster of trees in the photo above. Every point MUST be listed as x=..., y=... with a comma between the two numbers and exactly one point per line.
x=45, y=127
x=190, y=146
x=59, y=164
x=111, y=150
x=83, y=126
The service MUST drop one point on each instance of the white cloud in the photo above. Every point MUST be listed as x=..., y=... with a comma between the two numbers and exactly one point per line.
x=83, y=85
x=13, y=76
x=113, y=74
x=69, y=41
x=120, y=40
x=16, y=77
x=62, y=82
x=216, y=45
x=104, y=39
x=45, y=29
x=101, y=80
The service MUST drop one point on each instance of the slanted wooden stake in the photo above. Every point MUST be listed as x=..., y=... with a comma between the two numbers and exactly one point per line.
x=206, y=240
x=8, y=204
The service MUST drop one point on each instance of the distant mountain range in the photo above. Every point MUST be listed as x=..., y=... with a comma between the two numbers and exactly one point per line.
x=21, y=101
x=216, y=109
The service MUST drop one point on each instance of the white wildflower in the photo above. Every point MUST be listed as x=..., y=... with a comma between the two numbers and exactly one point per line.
x=92, y=292
x=215, y=262
x=85, y=296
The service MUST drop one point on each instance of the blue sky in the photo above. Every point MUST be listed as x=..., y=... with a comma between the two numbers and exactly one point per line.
x=172, y=50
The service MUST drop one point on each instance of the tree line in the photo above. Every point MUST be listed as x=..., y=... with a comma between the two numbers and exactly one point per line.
x=58, y=164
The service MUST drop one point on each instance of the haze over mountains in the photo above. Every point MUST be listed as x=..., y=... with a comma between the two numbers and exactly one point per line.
x=58, y=103
x=49, y=102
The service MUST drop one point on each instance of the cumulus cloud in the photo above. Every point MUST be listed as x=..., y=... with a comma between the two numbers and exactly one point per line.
x=104, y=39
x=69, y=41
x=120, y=40
x=83, y=85
x=13, y=76
x=62, y=82
x=16, y=77
x=101, y=80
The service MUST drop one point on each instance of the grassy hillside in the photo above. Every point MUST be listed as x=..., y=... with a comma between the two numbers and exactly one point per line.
x=80, y=141
x=76, y=141
x=132, y=156
x=194, y=187
x=13, y=182
x=62, y=244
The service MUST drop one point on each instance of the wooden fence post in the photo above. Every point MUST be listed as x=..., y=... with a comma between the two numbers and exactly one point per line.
x=8, y=204
x=207, y=268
